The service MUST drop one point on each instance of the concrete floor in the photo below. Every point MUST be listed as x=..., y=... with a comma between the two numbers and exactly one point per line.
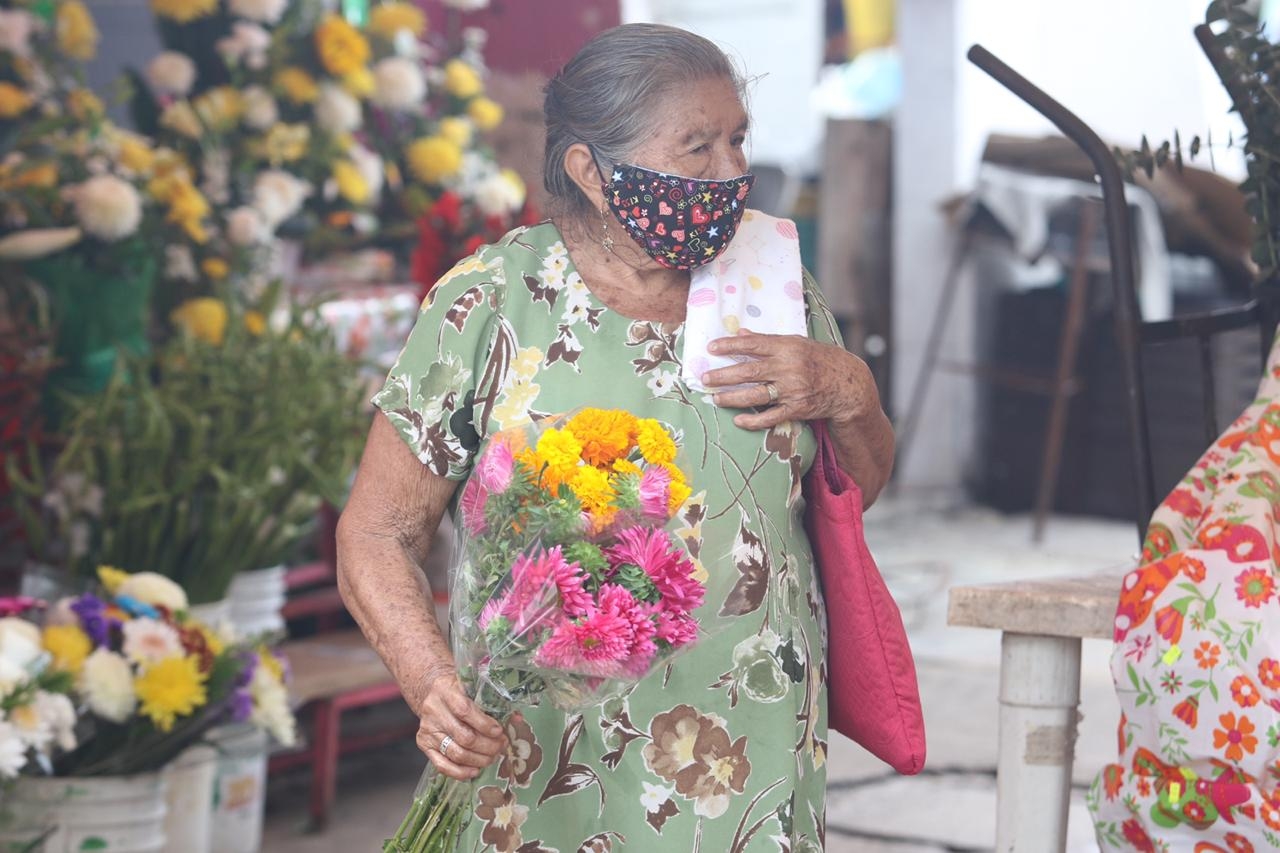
x=870, y=810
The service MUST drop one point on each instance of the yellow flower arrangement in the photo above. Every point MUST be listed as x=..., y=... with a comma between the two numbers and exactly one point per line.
x=461, y=80
x=433, y=158
x=486, y=114
x=68, y=644
x=285, y=143
x=219, y=108
x=606, y=435
x=171, y=688
x=351, y=184
x=390, y=19
x=593, y=490
x=456, y=130
x=559, y=450
x=296, y=85
x=76, y=32
x=215, y=268
x=14, y=101
x=204, y=318
x=341, y=47
x=184, y=11
x=654, y=442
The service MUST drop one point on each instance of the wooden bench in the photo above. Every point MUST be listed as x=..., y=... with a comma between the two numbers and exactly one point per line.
x=1043, y=623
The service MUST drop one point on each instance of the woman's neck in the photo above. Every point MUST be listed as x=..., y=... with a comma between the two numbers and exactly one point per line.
x=623, y=275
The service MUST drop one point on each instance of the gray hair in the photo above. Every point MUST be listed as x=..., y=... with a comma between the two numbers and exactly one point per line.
x=606, y=96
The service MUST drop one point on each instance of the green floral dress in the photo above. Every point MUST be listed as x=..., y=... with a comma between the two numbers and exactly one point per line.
x=724, y=750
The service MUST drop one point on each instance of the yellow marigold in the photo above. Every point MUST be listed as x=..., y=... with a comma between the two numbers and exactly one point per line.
x=215, y=268
x=359, y=83
x=654, y=441
x=77, y=34
x=341, y=47
x=212, y=640
x=285, y=143
x=204, y=318
x=606, y=434
x=677, y=494
x=171, y=688
x=296, y=85
x=593, y=490
x=111, y=578
x=351, y=184
x=219, y=108
x=184, y=11
x=181, y=118
x=561, y=451
x=255, y=323
x=433, y=158
x=461, y=80
x=69, y=646
x=84, y=105
x=486, y=114
x=187, y=206
x=136, y=155
x=14, y=101
x=626, y=466
x=390, y=18
x=456, y=130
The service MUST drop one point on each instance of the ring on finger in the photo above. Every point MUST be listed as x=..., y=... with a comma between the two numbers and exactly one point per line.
x=773, y=392
x=445, y=743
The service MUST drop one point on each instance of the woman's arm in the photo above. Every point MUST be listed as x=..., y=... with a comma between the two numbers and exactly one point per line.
x=384, y=535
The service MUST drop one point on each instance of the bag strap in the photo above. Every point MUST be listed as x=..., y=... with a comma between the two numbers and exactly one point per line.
x=837, y=480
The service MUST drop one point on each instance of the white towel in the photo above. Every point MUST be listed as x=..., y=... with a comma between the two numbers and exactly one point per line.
x=755, y=284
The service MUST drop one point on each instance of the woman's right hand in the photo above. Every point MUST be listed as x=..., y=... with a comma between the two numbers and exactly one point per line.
x=476, y=738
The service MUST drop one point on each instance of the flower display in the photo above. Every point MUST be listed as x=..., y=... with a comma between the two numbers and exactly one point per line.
x=569, y=589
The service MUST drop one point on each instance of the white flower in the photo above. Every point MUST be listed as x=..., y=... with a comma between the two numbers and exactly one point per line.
x=149, y=640
x=248, y=43
x=216, y=184
x=20, y=649
x=498, y=195
x=466, y=5
x=263, y=11
x=370, y=167
x=60, y=714
x=13, y=752
x=336, y=110
x=156, y=590
x=271, y=707
x=260, y=111
x=106, y=679
x=661, y=382
x=398, y=84
x=278, y=195
x=15, y=31
x=246, y=228
x=179, y=263
x=172, y=73
x=654, y=796
x=37, y=243
x=107, y=207
x=181, y=118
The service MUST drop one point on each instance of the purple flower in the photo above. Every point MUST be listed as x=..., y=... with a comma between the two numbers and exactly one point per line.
x=241, y=705
x=91, y=611
x=249, y=660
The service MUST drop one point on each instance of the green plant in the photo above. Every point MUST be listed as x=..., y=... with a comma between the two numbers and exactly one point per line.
x=203, y=460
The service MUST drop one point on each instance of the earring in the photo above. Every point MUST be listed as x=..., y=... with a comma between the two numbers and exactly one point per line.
x=605, y=239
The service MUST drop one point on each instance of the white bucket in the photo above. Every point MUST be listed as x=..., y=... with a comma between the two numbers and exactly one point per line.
x=118, y=814
x=256, y=598
x=240, y=791
x=189, y=801
x=215, y=614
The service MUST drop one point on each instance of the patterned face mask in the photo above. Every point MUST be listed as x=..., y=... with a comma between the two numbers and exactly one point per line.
x=682, y=223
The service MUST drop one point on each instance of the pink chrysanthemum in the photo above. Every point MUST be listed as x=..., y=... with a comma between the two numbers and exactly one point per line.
x=492, y=609
x=664, y=562
x=569, y=579
x=641, y=627
x=594, y=645
x=655, y=492
x=678, y=629
x=495, y=467
x=472, y=503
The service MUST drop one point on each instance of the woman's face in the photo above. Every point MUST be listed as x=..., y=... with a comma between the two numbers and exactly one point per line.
x=698, y=132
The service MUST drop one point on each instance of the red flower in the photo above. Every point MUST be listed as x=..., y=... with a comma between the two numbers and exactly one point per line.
x=1137, y=836
x=1184, y=503
x=1269, y=673
x=1112, y=779
x=1235, y=738
x=1255, y=587
x=1193, y=569
x=1188, y=711
x=1193, y=811
x=1169, y=623
x=1144, y=788
x=1244, y=691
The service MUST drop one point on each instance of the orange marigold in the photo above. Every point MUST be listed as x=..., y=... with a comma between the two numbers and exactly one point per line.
x=606, y=434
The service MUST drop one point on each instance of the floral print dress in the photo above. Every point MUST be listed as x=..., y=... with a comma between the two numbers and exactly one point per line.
x=725, y=749
x=1196, y=661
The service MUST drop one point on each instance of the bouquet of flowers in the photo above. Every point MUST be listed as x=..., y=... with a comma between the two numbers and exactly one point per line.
x=569, y=589
x=121, y=683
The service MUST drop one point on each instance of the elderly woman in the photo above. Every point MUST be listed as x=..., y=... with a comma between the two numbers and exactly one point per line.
x=726, y=748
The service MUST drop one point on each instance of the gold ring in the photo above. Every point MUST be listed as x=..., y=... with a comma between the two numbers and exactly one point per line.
x=773, y=392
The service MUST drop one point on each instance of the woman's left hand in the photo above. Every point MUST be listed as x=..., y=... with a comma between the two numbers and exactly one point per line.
x=791, y=378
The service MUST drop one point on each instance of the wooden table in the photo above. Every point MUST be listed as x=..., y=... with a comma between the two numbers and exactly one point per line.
x=1042, y=624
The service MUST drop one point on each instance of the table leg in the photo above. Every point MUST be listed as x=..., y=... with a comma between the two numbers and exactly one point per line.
x=1039, y=698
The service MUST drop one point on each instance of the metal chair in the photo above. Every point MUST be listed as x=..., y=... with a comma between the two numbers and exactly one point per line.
x=1132, y=333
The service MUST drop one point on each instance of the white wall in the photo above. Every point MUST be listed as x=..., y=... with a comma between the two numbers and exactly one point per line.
x=1125, y=67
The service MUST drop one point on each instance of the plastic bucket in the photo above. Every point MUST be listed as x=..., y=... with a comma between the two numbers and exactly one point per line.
x=189, y=800
x=256, y=598
x=240, y=789
x=119, y=814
